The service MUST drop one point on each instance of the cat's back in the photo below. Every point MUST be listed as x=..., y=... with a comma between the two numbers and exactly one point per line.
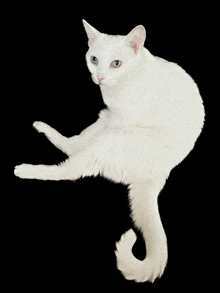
x=177, y=98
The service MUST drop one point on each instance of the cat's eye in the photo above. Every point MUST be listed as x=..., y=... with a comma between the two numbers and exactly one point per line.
x=116, y=63
x=94, y=60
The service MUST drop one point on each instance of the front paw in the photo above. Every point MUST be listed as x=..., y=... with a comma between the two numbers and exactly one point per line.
x=25, y=171
x=40, y=126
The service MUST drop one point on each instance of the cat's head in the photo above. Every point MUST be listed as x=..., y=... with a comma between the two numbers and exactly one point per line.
x=111, y=59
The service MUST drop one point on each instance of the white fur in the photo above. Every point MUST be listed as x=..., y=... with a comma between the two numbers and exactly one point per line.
x=154, y=116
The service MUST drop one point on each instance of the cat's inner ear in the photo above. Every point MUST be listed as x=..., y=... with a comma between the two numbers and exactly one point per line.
x=136, y=38
x=91, y=32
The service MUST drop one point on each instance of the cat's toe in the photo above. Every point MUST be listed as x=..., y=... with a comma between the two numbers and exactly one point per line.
x=19, y=171
x=23, y=171
x=39, y=126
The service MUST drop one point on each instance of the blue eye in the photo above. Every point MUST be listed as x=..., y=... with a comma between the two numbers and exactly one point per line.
x=94, y=60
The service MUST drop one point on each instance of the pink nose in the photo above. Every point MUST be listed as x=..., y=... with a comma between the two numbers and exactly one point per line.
x=100, y=77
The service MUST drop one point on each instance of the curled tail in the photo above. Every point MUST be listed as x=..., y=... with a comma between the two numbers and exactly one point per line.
x=145, y=214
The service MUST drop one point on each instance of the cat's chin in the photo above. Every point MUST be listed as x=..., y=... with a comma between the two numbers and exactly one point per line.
x=102, y=84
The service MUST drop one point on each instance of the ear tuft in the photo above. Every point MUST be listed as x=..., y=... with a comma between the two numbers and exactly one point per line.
x=91, y=32
x=136, y=38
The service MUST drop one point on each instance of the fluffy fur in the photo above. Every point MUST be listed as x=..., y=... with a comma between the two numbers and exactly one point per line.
x=154, y=116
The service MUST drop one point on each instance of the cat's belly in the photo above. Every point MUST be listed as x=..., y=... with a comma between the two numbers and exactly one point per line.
x=125, y=156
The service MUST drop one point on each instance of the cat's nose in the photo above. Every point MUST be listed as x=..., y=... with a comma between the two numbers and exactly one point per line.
x=100, y=77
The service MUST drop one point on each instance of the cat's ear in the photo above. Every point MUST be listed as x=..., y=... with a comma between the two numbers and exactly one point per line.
x=92, y=33
x=136, y=38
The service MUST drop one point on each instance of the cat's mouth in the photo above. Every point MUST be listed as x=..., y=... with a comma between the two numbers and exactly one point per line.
x=101, y=83
x=96, y=81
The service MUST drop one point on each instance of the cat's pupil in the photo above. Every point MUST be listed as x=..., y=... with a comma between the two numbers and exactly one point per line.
x=116, y=63
x=94, y=60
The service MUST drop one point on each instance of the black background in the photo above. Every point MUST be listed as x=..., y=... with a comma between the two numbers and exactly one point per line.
x=61, y=235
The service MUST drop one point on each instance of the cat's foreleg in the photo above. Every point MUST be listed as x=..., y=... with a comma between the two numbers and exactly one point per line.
x=88, y=135
x=61, y=142
x=70, y=146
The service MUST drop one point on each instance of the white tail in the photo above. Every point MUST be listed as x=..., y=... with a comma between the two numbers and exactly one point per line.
x=145, y=213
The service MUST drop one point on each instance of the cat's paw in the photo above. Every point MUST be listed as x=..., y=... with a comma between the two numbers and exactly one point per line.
x=24, y=171
x=41, y=127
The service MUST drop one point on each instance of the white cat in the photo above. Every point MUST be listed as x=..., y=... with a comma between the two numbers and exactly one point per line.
x=154, y=116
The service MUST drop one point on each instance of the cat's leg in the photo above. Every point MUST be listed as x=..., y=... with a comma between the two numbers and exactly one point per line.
x=89, y=134
x=72, y=145
x=61, y=142
x=82, y=161
x=42, y=172
x=81, y=165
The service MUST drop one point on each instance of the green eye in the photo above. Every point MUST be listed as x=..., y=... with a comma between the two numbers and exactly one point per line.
x=116, y=63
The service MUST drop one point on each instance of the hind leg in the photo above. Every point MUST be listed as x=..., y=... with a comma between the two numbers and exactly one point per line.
x=83, y=164
x=44, y=172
